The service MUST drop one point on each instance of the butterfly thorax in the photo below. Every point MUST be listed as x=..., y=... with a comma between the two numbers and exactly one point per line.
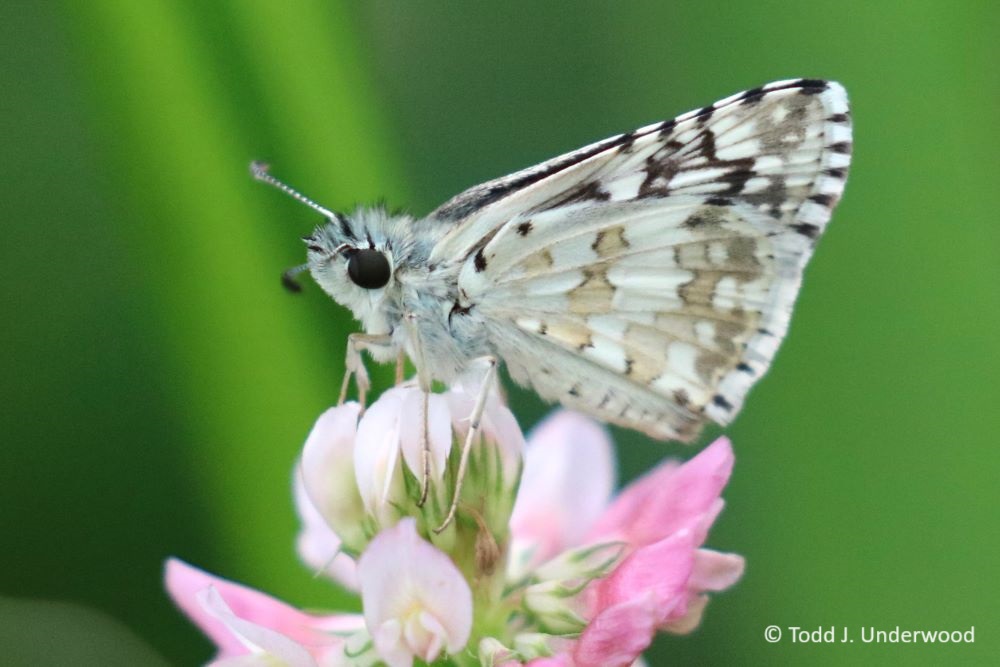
x=417, y=306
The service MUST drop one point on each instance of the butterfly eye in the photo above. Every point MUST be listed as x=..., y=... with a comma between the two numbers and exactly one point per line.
x=368, y=268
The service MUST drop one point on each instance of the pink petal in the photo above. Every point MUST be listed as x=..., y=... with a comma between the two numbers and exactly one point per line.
x=619, y=634
x=185, y=583
x=561, y=660
x=402, y=575
x=668, y=499
x=712, y=571
x=255, y=638
x=702, y=523
x=566, y=484
x=661, y=569
x=681, y=625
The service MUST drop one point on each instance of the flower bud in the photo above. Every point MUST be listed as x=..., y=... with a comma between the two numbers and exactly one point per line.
x=328, y=481
x=494, y=654
x=496, y=455
x=553, y=607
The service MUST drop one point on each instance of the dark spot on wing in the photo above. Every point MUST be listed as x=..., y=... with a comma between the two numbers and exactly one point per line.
x=480, y=258
x=524, y=228
x=458, y=309
x=703, y=217
x=806, y=86
x=707, y=146
x=811, y=86
x=483, y=195
x=627, y=142
x=584, y=192
x=738, y=177
x=771, y=197
x=681, y=398
x=721, y=401
x=752, y=96
x=658, y=175
x=806, y=229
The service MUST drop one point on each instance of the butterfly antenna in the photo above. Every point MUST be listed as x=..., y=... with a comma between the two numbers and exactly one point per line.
x=260, y=173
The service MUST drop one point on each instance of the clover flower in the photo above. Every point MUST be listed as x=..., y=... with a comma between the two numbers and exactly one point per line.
x=565, y=575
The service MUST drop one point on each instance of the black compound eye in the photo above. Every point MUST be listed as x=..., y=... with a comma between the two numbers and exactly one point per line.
x=368, y=268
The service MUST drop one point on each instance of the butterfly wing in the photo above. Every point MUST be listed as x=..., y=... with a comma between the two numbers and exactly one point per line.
x=648, y=279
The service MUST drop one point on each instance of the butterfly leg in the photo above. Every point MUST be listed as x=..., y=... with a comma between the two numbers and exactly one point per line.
x=400, y=367
x=355, y=365
x=425, y=451
x=425, y=383
x=475, y=420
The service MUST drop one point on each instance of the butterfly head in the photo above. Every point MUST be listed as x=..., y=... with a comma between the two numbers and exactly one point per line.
x=352, y=262
x=351, y=257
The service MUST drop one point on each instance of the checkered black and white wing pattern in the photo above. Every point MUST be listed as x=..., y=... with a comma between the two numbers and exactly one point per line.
x=648, y=279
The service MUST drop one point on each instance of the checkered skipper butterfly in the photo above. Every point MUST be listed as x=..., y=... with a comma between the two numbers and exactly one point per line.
x=646, y=279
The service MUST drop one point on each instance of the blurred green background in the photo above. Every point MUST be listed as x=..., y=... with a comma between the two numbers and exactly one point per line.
x=156, y=383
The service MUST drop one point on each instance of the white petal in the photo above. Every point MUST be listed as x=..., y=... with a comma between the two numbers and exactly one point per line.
x=376, y=451
x=498, y=423
x=327, y=473
x=401, y=576
x=438, y=431
x=317, y=545
x=390, y=645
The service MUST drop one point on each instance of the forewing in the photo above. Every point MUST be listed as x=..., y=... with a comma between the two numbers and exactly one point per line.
x=648, y=279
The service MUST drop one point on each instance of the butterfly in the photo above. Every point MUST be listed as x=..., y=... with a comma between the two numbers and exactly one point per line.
x=646, y=279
